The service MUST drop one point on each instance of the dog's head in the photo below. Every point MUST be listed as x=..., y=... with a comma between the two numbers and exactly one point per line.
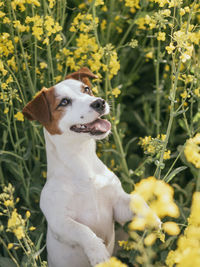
x=70, y=107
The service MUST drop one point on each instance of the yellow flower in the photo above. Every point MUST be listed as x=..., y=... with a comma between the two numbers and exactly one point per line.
x=58, y=38
x=161, y=36
x=188, y=245
x=149, y=55
x=194, y=218
x=184, y=57
x=167, y=155
x=32, y=228
x=150, y=239
x=184, y=94
x=132, y=3
x=170, y=48
x=116, y=92
x=2, y=14
x=19, y=116
x=19, y=232
x=95, y=90
x=127, y=245
x=114, y=65
x=171, y=228
x=43, y=65
x=82, y=6
x=119, y=30
x=46, y=41
x=141, y=23
x=52, y=3
x=44, y=174
x=182, y=11
x=6, y=20
x=99, y=2
x=159, y=196
x=197, y=92
x=192, y=150
x=16, y=224
x=6, y=110
x=104, y=8
x=10, y=245
x=28, y=214
x=173, y=3
x=8, y=203
x=112, y=262
x=103, y=24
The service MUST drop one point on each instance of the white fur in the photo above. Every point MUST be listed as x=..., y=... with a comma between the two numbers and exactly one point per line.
x=81, y=198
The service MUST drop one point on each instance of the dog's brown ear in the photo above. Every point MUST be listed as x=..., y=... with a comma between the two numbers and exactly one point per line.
x=86, y=81
x=38, y=108
x=82, y=73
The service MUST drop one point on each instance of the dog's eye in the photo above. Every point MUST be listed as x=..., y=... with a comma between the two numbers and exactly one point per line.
x=87, y=90
x=64, y=102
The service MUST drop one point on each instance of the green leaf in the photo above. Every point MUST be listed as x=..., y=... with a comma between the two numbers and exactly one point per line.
x=129, y=143
x=174, y=172
x=6, y=262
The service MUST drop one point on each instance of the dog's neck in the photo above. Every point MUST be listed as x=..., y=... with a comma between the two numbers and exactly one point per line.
x=74, y=155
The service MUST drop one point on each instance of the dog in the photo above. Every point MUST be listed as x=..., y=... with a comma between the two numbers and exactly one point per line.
x=82, y=198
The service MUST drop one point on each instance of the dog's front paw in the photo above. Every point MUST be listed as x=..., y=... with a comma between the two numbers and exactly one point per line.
x=98, y=253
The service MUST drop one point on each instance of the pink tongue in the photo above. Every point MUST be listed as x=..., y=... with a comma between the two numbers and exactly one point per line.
x=100, y=125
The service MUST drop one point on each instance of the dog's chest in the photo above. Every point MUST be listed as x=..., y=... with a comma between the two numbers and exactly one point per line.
x=94, y=208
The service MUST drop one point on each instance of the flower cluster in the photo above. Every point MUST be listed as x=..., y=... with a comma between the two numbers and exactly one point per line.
x=21, y=4
x=113, y=262
x=16, y=224
x=153, y=146
x=192, y=150
x=84, y=23
x=188, y=246
x=88, y=52
x=159, y=196
x=133, y=4
x=45, y=27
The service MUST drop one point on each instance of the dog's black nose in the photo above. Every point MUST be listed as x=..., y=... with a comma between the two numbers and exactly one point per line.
x=99, y=105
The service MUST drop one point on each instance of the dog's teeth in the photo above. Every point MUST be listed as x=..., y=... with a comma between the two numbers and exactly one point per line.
x=83, y=126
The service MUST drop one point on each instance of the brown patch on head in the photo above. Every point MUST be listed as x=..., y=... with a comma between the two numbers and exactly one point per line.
x=87, y=82
x=86, y=89
x=82, y=73
x=43, y=108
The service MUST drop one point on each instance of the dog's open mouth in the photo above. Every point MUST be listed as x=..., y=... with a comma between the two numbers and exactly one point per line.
x=97, y=127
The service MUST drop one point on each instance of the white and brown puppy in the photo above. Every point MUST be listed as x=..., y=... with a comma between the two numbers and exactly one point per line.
x=81, y=198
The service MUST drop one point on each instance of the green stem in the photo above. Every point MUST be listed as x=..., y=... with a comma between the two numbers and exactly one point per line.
x=157, y=66
x=109, y=21
x=171, y=167
x=24, y=58
x=126, y=34
x=122, y=154
x=198, y=181
x=171, y=118
x=9, y=253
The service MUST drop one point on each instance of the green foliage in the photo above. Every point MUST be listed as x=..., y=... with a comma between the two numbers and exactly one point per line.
x=146, y=54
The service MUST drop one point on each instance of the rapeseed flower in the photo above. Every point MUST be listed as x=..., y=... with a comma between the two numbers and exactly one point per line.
x=170, y=48
x=188, y=246
x=116, y=92
x=192, y=150
x=112, y=262
x=19, y=116
x=161, y=36
x=159, y=196
x=16, y=224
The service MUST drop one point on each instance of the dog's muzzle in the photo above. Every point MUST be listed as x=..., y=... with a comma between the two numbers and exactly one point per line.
x=99, y=105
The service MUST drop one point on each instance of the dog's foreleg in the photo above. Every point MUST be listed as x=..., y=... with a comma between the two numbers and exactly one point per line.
x=75, y=233
x=122, y=211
